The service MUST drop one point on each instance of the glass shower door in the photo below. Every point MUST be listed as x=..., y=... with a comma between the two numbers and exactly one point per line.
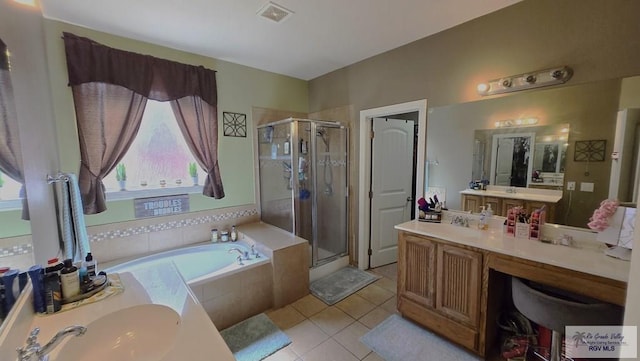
x=331, y=198
x=276, y=181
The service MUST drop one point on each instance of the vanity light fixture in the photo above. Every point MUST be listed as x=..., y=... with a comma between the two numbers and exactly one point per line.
x=520, y=122
x=518, y=82
x=31, y=3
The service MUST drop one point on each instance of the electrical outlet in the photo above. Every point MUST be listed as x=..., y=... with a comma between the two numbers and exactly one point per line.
x=571, y=186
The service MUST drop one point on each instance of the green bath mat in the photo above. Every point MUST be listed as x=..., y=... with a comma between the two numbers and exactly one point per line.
x=340, y=284
x=255, y=338
x=397, y=339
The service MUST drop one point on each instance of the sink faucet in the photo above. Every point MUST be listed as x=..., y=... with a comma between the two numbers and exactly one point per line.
x=244, y=254
x=32, y=351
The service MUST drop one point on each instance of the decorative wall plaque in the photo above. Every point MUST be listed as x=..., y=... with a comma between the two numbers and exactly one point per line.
x=234, y=124
x=161, y=206
x=590, y=150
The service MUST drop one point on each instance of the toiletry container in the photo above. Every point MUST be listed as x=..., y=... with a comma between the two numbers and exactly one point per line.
x=488, y=214
x=234, y=234
x=36, y=273
x=214, y=235
x=224, y=236
x=70, y=280
x=91, y=265
x=287, y=146
x=3, y=314
x=9, y=281
x=482, y=224
x=52, y=286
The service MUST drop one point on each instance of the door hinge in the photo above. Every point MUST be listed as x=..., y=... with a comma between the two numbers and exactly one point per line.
x=370, y=194
x=370, y=251
x=372, y=133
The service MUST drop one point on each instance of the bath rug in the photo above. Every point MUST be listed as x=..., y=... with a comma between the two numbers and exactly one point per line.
x=339, y=285
x=255, y=338
x=397, y=339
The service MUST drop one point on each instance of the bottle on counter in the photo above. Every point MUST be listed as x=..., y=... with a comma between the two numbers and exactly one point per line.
x=52, y=286
x=214, y=235
x=36, y=273
x=287, y=146
x=91, y=265
x=234, y=234
x=70, y=280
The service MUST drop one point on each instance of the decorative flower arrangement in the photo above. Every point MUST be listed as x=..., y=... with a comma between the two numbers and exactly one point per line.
x=599, y=221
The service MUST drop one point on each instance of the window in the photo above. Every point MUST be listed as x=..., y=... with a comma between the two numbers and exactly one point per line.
x=159, y=156
x=9, y=188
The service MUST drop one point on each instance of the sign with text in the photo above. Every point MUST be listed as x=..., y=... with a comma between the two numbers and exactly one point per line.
x=601, y=341
x=161, y=206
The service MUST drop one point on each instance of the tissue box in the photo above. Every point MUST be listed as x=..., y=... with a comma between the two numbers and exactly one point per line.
x=621, y=228
x=522, y=230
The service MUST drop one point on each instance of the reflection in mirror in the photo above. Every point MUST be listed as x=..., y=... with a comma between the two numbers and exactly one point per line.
x=15, y=239
x=588, y=108
x=533, y=157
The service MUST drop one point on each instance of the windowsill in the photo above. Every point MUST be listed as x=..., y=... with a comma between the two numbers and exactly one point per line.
x=10, y=204
x=16, y=204
x=154, y=192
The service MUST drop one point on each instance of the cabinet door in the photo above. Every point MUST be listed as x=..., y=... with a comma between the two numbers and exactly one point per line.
x=496, y=205
x=458, y=284
x=471, y=203
x=416, y=266
x=510, y=203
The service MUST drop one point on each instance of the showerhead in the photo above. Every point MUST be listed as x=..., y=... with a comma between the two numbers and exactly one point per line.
x=322, y=133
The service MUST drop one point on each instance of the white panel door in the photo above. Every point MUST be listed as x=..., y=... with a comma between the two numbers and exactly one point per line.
x=504, y=161
x=391, y=180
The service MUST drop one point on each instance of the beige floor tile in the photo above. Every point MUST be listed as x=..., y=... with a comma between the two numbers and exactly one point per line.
x=373, y=318
x=309, y=305
x=389, y=271
x=373, y=357
x=391, y=304
x=390, y=285
x=329, y=350
x=349, y=338
x=285, y=354
x=331, y=320
x=285, y=317
x=305, y=336
x=355, y=306
x=375, y=294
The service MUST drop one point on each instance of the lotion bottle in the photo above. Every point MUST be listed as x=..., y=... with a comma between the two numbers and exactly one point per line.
x=488, y=213
x=70, y=279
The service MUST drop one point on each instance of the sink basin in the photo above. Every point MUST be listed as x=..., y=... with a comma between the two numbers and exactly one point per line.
x=141, y=333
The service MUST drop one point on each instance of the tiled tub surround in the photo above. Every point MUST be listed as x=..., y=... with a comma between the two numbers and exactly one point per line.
x=241, y=292
x=138, y=237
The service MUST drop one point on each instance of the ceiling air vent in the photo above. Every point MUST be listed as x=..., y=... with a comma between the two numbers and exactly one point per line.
x=274, y=12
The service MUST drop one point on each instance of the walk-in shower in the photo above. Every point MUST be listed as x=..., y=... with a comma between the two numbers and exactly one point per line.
x=303, y=182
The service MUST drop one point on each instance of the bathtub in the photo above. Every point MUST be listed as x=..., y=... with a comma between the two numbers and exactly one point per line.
x=199, y=264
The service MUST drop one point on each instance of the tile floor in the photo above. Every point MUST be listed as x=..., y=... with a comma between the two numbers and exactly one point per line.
x=320, y=332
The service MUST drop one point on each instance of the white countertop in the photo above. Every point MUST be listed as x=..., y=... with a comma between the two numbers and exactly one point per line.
x=582, y=259
x=528, y=195
x=198, y=338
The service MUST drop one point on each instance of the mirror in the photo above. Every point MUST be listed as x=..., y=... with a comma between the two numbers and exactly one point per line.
x=531, y=156
x=589, y=111
x=14, y=231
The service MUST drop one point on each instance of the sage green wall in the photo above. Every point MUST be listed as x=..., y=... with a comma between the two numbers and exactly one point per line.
x=239, y=89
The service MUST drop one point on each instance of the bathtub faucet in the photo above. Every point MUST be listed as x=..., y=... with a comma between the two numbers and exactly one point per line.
x=244, y=254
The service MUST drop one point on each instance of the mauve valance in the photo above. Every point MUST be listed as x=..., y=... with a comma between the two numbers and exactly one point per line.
x=154, y=78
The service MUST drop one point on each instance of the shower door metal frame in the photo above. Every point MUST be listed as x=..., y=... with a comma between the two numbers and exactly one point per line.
x=294, y=125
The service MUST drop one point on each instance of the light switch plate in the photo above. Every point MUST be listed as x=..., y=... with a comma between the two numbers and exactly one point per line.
x=586, y=187
x=571, y=186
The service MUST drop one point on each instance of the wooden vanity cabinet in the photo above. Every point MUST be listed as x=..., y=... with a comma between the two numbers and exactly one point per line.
x=471, y=203
x=439, y=287
x=508, y=203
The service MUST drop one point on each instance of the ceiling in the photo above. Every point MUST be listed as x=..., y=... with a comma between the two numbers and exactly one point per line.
x=321, y=35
